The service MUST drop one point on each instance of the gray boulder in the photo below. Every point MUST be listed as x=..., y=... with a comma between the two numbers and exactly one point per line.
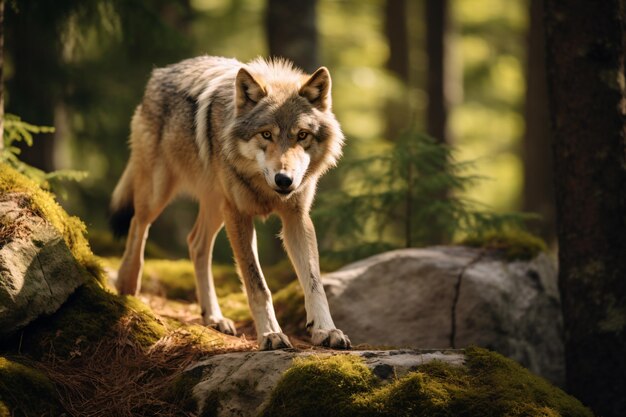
x=242, y=382
x=453, y=297
x=37, y=270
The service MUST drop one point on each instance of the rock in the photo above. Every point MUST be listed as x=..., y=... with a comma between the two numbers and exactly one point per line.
x=37, y=270
x=453, y=297
x=239, y=384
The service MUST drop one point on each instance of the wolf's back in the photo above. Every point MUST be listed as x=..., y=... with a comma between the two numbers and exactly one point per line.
x=175, y=95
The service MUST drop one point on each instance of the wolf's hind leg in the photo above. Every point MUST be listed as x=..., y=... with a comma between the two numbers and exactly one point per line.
x=242, y=236
x=152, y=191
x=201, y=241
x=129, y=274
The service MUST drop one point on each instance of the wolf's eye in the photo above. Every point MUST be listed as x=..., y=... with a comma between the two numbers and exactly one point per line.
x=267, y=135
x=302, y=135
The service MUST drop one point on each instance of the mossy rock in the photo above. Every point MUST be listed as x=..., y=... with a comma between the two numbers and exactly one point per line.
x=44, y=204
x=88, y=316
x=512, y=244
x=26, y=391
x=181, y=391
x=37, y=270
x=487, y=385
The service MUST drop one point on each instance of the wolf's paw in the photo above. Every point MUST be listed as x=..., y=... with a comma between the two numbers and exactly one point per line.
x=273, y=341
x=224, y=325
x=126, y=287
x=333, y=338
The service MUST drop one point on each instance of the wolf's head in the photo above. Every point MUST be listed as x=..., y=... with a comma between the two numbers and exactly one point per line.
x=284, y=123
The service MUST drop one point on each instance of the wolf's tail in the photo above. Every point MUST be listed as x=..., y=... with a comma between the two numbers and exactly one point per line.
x=122, y=209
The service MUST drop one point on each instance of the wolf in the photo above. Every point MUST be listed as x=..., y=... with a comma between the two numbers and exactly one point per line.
x=244, y=140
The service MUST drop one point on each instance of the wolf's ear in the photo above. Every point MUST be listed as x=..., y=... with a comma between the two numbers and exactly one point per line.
x=317, y=89
x=248, y=91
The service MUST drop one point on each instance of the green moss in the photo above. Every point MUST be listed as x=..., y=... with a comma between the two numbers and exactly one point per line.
x=488, y=385
x=320, y=387
x=89, y=315
x=288, y=304
x=204, y=338
x=44, y=204
x=103, y=243
x=279, y=275
x=513, y=244
x=290, y=311
x=26, y=392
x=235, y=307
x=516, y=388
x=175, y=279
x=91, y=312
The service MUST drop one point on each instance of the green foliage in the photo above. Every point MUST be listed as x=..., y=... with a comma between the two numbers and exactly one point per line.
x=18, y=131
x=412, y=190
x=488, y=385
x=25, y=391
x=512, y=243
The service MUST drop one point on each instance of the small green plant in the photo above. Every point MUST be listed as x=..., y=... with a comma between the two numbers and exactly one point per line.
x=408, y=196
x=15, y=131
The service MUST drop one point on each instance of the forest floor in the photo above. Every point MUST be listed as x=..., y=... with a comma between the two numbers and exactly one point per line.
x=168, y=287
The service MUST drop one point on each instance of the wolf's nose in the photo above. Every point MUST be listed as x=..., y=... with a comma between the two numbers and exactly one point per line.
x=282, y=180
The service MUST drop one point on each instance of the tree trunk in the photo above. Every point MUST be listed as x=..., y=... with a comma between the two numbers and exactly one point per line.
x=397, y=107
x=397, y=36
x=36, y=83
x=537, y=150
x=1, y=75
x=436, y=24
x=291, y=28
x=585, y=57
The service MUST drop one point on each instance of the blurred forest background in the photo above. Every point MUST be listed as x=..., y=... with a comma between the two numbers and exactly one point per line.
x=466, y=73
x=445, y=110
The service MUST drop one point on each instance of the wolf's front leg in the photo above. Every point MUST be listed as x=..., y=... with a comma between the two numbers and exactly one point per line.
x=242, y=236
x=301, y=244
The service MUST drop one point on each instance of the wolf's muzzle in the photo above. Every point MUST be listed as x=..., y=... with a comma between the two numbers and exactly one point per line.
x=283, y=182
